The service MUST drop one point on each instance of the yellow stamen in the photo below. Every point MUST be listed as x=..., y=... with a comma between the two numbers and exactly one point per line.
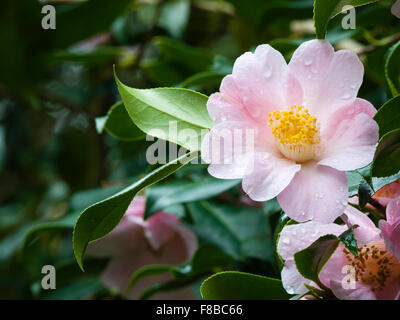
x=296, y=132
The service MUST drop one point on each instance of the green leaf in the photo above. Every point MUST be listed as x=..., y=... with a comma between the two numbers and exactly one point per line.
x=240, y=232
x=75, y=291
x=354, y=179
x=189, y=58
x=325, y=10
x=203, y=80
x=379, y=183
x=86, y=19
x=118, y=124
x=349, y=240
x=161, y=197
x=365, y=192
x=388, y=116
x=392, y=69
x=152, y=110
x=18, y=241
x=387, y=155
x=361, y=183
x=234, y=285
x=310, y=261
x=99, y=219
x=205, y=260
x=88, y=57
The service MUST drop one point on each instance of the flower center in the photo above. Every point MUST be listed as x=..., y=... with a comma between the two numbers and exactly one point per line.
x=374, y=265
x=296, y=133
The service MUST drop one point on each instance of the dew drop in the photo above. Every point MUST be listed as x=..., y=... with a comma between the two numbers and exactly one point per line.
x=308, y=62
x=346, y=96
x=286, y=240
x=268, y=72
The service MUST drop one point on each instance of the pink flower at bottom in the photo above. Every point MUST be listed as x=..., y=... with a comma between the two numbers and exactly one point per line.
x=292, y=130
x=135, y=243
x=391, y=227
x=376, y=271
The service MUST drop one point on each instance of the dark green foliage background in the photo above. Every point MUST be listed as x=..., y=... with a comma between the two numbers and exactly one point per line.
x=55, y=83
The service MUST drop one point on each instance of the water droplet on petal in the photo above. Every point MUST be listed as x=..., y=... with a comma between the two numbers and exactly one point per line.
x=286, y=240
x=268, y=72
x=346, y=96
x=308, y=62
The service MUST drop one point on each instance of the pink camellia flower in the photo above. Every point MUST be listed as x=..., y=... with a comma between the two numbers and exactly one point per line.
x=135, y=243
x=373, y=274
x=391, y=227
x=396, y=9
x=308, y=125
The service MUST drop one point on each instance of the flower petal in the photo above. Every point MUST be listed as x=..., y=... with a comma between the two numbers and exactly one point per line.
x=329, y=79
x=296, y=237
x=393, y=211
x=267, y=175
x=316, y=192
x=366, y=231
x=259, y=80
x=361, y=292
x=350, y=137
x=229, y=146
x=292, y=280
x=391, y=236
x=223, y=108
x=122, y=266
x=158, y=229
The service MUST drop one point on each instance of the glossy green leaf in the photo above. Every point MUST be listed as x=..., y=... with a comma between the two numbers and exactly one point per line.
x=76, y=290
x=354, y=179
x=310, y=261
x=154, y=110
x=388, y=116
x=118, y=124
x=161, y=197
x=392, y=69
x=240, y=232
x=88, y=57
x=190, y=58
x=325, y=10
x=349, y=240
x=234, y=285
x=387, y=155
x=99, y=219
x=365, y=192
